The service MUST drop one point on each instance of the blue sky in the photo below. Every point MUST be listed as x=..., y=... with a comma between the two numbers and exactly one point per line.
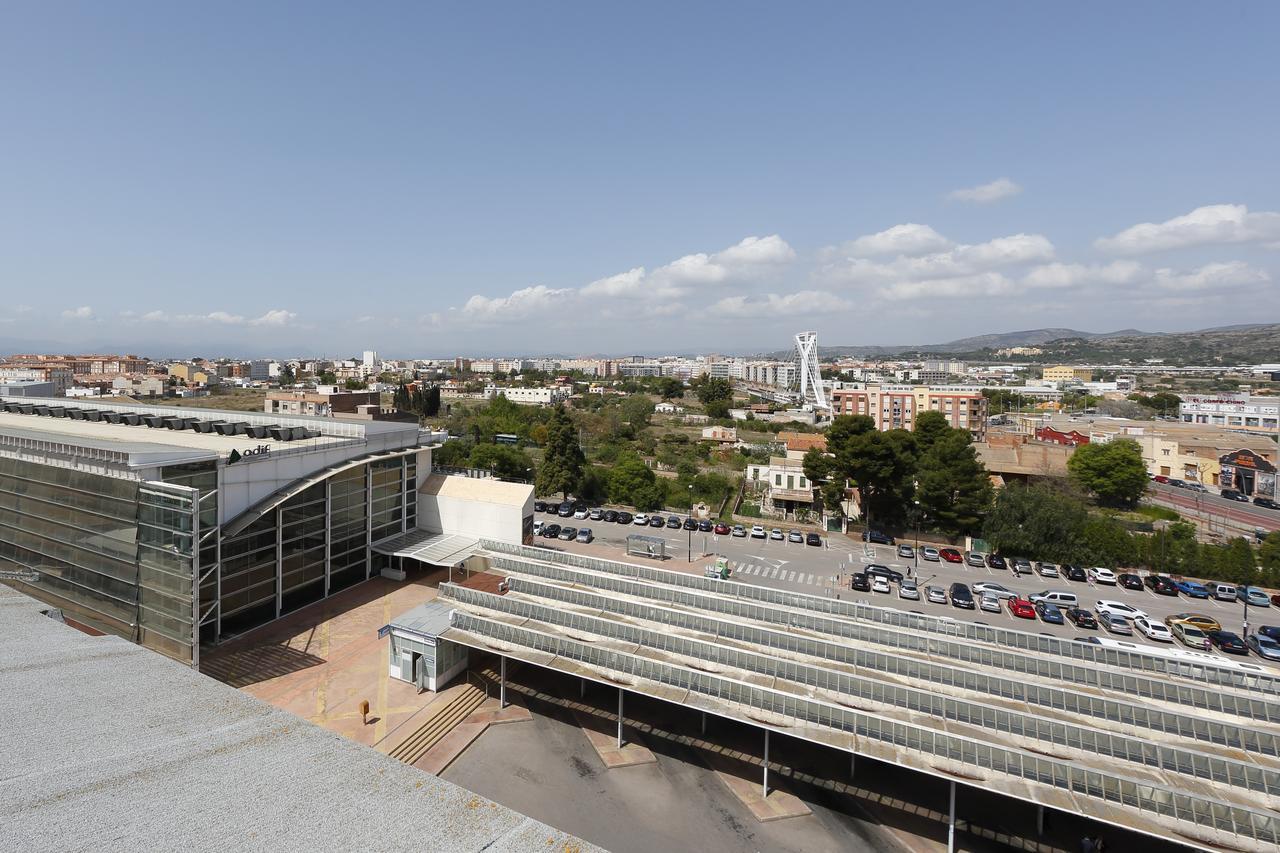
x=579, y=178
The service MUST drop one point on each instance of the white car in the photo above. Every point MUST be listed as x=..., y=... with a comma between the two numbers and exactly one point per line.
x=776, y=533
x=641, y=520
x=1047, y=570
x=581, y=514
x=739, y=530
x=1119, y=608
x=908, y=589
x=1098, y=574
x=880, y=585
x=1153, y=630
x=989, y=603
x=757, y=532
x=930, y=553
x=537, y=528
x=993, y=589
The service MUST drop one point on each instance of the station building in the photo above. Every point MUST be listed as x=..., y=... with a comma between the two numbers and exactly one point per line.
x=176, y=527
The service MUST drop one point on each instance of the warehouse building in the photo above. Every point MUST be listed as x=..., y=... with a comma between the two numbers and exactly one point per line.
x=174, y=527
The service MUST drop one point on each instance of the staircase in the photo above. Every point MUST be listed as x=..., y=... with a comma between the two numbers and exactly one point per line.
x=440, y=723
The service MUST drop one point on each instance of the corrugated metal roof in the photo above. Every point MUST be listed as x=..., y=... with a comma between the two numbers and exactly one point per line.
x=429, y=619
x=438, y=549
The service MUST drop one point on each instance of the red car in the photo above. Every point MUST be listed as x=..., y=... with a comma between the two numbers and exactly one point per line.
x=1160, y=478
x=722, y=529
x=1022, y=608
x=951, y=555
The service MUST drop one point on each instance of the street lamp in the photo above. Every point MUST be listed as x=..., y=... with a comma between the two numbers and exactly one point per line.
x=916, y=552
x=690, y=530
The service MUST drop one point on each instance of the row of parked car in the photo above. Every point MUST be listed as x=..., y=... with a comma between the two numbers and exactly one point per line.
x=1055, y=607
x=1229, y=494
x=582, y=512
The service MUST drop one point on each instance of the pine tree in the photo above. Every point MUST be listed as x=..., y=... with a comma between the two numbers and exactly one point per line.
x=562, y=461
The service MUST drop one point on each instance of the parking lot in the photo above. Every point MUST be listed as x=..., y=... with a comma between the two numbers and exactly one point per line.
x=826, y=570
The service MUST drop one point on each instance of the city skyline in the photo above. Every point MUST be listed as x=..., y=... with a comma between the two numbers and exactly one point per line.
x=598, y=182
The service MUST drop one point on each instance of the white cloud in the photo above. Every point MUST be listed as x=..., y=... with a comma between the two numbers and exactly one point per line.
x=775, y=305
x=274, y=317
x=755, y=252
x=628, y=284
x=1216, y=224
x=749, y=259
x=965, y=286
x=224, y=317
x=1059, y=275
x=960, y=262
x=84, y=312
x=907, y=239
x=1219, y=276
x=519, y=305
x=1000, y=188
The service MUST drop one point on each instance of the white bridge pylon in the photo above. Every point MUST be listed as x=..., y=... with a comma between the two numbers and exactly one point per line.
x=811, y=389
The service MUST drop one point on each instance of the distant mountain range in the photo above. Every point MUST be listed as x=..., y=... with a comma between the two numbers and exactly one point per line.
x=1241, y=344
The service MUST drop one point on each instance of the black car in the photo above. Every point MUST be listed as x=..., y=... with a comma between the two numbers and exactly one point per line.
x=878, y=538
x=1128, y=580
x=1233, y=495
x=1081, y=618
x=539, y=506
x=1074, y=573
x=995, y=561
x=673, y=522
x=1161, y=585
x=657, y=521
x=1228, y=642
x=861, y=582
x=566, y=509
x=961, y=596
x=813, y=539
x=690, y=524
x=705, y=526
x=610, y=515
x=550, y=531
x=884, y=572
x=624, y=518
x=1266, y=503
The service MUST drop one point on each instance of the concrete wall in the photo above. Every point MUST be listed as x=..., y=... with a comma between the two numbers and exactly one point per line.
x=478, y=519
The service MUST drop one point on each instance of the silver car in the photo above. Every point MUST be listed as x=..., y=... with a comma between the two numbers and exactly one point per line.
x=989, y=603
x=1047, y=570
x=935, y=594
x=1115, y=624
x=908, y=589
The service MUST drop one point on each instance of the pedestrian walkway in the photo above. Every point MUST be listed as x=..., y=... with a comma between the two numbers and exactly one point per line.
x=778, y=573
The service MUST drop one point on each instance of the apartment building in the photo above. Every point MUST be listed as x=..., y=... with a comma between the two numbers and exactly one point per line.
x=1067, y=373
x=59, y=374
x=898, y=406
x=318, y=403
x=780, y=374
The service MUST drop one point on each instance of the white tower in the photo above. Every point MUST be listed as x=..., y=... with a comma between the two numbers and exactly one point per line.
x=811, y=390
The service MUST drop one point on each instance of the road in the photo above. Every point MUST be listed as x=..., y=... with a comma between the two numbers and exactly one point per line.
x=826, y=571
x=1215, y=509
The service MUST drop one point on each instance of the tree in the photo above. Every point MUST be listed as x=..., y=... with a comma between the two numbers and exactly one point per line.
x=400, y=399
x=882, y=465
x=670, y=388
x=286, y=374
x=717, y=409
x=505, y=461
x=562, y=460
x=1114, y=472
x=817, y=465
x=1269, y=558
x=952, y=484
x=431, y=403
x=636, y=409
x=327, y=378
x=633, y=484
x=1036, y=520
x=930, y=426
x=355, y=385
x=712, y=389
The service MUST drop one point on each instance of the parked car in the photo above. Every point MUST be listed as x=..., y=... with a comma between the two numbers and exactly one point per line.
x=1192, y=589
x=674, y=522
x=1047, y=570
x=879, y=584
x=1193, y=486
x=657, y=521
x=1275, y=599
x=1119, y=608
x=975, y=559
x=878, y=538
x=1080, y=617
x=1204, y=623
x=813, y=539
x=610, y=516
x=1272, y=631
x=961, y=596
x=1115, y=623
x=1073, y=573
x=1022, y=608
x=908, y=589
x=989, y=603
x=690, y=524
x=1048, y=612
x=722, y=529
x=640, y=520
x=995, y=561
x=584, y=535
x=1223, y=591
x=1266, y=503
x=950, y=555
x=757, y=532
x=929, y=553
x=568, y=533
x=566, y=510
x=1253, y=595
x=1160, y=585
x=989, y=588
x=935, y=594
x=861, y=582
x=1059, y=597
x=625, y=518
x=739, y=530
x=1103, y=575
x=1234, y=495
x=1160, y=478
x=551, y=531
x=776, y=534
x=596, y=515
x=537, y=528
x=795, y=536
x=705, y=526
x=539, y=506
x=1021, y=565
x=1263, y=646
x=1153, y=630
x=1228, y=642
x=1129, y=580
x=906, y=552
x=877, y=570
x=1189, y=635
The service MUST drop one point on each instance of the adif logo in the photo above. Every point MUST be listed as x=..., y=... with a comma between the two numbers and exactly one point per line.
x=236, y=455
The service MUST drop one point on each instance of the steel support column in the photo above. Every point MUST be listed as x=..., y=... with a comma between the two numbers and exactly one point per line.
x=1039, y=820
x=951, y=821
x=502, y=683
x=620, y=718
x=765, y=786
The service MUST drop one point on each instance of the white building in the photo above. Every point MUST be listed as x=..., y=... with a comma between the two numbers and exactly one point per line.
x=546, y=396
x=780, y=374
x=370, y=359
x=1235, y=411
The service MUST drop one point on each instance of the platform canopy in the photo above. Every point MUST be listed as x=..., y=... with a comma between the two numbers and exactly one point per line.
x=437, y=549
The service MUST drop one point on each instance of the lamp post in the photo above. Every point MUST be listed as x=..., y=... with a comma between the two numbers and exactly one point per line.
x=690, y=530
x=916, y=552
